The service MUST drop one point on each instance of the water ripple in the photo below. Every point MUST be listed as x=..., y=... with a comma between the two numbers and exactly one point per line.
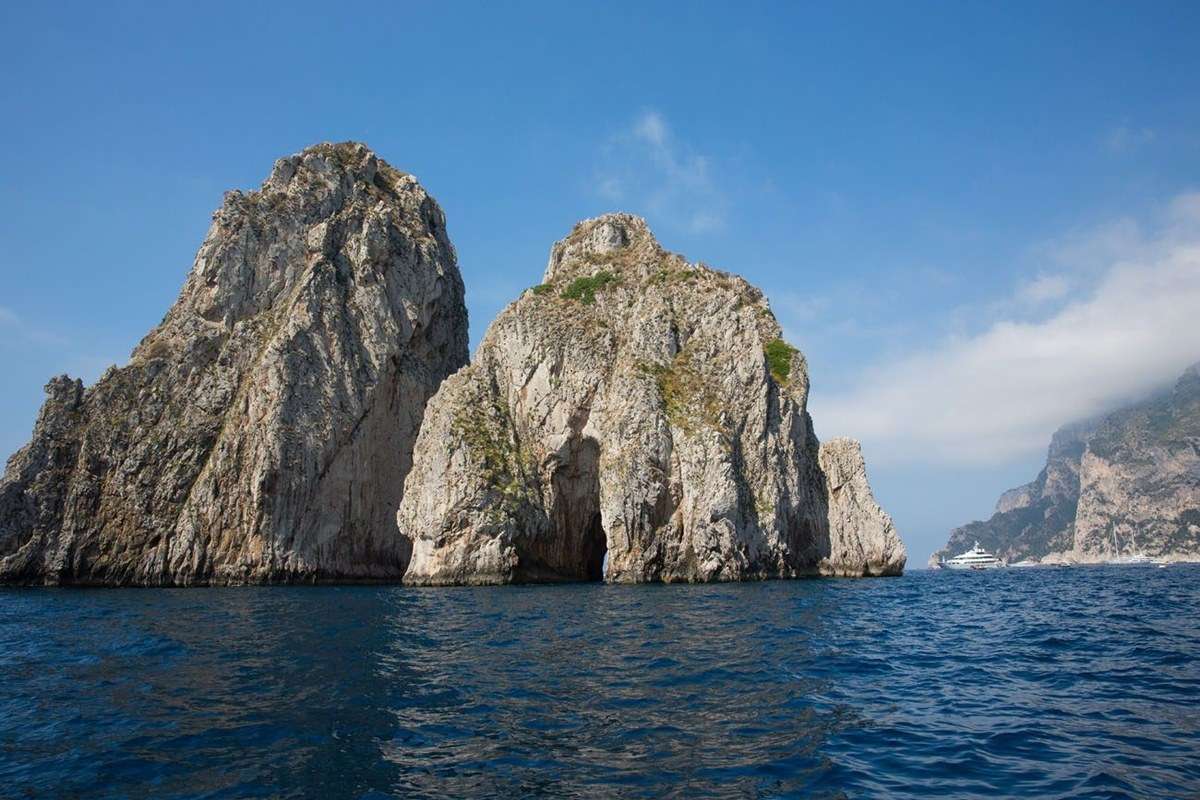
x=1060, y=683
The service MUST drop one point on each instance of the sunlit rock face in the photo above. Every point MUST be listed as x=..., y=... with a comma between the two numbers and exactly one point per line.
x=263, y=431
x=635, y=418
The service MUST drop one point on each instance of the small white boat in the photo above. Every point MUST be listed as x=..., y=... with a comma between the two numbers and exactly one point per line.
x=975, y=558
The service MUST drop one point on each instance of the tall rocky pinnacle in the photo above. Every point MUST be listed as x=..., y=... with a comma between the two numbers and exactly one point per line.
x=1125, y=484
x=635, y=418
x=263, y=430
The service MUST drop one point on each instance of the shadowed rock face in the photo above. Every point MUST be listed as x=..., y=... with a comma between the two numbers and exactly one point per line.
x=262, y=432
x=637, y=418
x=1125, y=484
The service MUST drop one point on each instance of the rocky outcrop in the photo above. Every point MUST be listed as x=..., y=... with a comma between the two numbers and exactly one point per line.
x=263, y=430
x=1121, y=485
x=635, y=418
x=861, y=533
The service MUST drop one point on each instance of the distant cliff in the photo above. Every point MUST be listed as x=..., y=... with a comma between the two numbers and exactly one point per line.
x=1123, y=484
x=262, y=431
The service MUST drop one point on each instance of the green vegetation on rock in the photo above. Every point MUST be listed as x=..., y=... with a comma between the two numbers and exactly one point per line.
x=688, y=400
x=487, y=431
x=779, y=358
x=584, y=289
x=673, y=276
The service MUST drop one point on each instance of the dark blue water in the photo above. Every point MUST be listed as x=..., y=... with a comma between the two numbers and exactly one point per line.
x=1056, y=683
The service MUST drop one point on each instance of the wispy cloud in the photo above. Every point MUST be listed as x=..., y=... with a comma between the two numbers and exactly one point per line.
x=610, y=188
x=1043, y=289
x=1128, y=328
x=1125, y=138
x=57, y=351
x=652, y=128
x=799, y=308
x=15, y=326
x=648, y=169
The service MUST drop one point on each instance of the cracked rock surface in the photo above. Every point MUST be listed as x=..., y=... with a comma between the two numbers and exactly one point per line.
x=262, y=431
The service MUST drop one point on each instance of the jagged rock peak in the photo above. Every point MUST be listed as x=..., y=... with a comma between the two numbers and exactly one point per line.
x=599, y=239
x=263, y=430
x=635, y=417
x=342, y=165
x=315, y=189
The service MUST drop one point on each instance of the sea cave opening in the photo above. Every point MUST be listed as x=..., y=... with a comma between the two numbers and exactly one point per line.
x=582, y=543
x=595, y=550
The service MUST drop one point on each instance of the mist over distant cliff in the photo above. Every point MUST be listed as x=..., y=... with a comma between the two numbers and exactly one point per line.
x=1123, y=484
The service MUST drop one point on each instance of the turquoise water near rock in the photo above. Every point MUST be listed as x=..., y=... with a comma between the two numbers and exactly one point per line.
x=1044, y=682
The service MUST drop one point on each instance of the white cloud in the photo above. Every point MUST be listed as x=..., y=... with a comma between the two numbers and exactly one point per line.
x=1089, y=252
x=648, y=168
x=1000, y=393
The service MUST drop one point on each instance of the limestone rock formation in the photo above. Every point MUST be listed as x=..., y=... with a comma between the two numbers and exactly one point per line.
x=861, y=532
x=1125, y=484
x=635, y=418
x=263, y=430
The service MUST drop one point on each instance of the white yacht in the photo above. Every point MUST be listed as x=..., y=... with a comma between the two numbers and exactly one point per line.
x=1136, y=558
x=975, y=558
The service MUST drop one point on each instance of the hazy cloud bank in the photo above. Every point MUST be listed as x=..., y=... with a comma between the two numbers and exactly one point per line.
x=1124, y=321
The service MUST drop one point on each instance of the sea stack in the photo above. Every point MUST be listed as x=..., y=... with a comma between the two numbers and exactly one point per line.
x=262, y=432
x=635, y=418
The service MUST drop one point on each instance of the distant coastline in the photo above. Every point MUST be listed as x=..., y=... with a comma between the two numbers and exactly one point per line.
x=1123, y=486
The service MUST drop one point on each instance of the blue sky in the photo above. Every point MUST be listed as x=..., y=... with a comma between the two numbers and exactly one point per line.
x=977, y=220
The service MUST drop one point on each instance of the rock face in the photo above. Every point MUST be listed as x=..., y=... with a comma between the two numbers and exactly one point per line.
x=861, y=533
x=635, y=418
x=1125, y=484
x=263, y=430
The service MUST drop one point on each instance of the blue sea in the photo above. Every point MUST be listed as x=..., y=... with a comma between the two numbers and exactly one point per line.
x=1014, y=683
